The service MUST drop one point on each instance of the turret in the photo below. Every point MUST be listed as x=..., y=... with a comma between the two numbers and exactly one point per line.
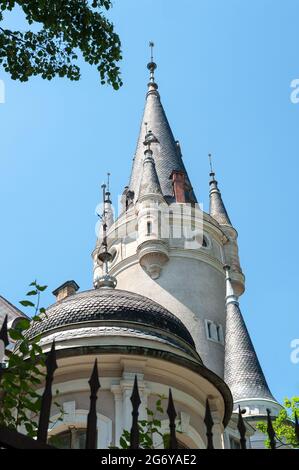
x=152, y=250
x=231, y=251
x=242, y=370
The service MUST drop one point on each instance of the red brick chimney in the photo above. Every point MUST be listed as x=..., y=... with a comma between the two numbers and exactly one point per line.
x=178, y=178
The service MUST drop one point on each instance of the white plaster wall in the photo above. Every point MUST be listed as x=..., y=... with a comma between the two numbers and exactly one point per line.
x=191, y=289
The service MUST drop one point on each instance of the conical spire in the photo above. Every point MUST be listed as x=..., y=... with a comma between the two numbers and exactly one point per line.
x=167, y=153
x=149, y=184
x=242, y=370
x=217, y=208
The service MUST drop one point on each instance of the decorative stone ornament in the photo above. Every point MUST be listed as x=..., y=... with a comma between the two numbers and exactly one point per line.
x=152, y=256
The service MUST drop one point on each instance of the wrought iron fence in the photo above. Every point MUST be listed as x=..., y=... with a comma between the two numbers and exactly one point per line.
x=10, y=438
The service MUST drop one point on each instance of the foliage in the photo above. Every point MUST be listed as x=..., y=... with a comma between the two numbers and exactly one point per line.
x=283, y=424
x=60, y=29
x=148, y=428
x=20, y=401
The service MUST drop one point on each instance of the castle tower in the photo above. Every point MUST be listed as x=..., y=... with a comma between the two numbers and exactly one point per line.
x=164, y=245
x=170, y=250
x=162, y=307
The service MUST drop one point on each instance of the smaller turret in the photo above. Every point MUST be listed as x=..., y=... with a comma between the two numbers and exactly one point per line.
x=231, y=251
x=217, y=207
x=149, y=186
x=152, y=251
x=242, y=370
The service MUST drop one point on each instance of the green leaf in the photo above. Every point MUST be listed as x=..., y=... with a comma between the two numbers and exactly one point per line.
x=123, y=443
x=26, y=303
x=32, y=292
x=41, y=288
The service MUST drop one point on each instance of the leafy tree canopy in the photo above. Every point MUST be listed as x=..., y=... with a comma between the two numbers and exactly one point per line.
x=20, y=401
x=283, y=425
x=60, y=30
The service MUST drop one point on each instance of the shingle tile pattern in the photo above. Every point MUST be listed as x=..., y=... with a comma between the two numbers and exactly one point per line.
x=243, y=372
x=111, y=305
x=166, y=154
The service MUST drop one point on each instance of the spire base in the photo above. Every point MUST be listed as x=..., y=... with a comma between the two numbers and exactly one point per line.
x=106, y=281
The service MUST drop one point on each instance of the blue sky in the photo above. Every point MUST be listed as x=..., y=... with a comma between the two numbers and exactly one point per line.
x=224, y=74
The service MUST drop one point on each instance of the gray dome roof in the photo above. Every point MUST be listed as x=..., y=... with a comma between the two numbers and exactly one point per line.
x=108, y=307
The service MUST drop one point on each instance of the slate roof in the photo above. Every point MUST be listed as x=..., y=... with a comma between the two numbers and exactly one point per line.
x=149, y=183
x=166, y=153
x=107, y=306
x=242, y=373
x=217, y=207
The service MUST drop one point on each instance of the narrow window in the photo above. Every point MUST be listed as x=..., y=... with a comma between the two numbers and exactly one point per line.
x=209, y=329
x=149, y=228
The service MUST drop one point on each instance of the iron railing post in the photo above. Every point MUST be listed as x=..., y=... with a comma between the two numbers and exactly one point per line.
x=135, y=400
x=173, y=443
x=91, y=431
x=242, y=429
x=44, y=417
x=209, y=425
x=270, y=430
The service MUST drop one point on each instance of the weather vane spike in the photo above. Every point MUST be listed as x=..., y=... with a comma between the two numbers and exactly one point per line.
x=108, y=182
x=210, y=160
x=151, y=45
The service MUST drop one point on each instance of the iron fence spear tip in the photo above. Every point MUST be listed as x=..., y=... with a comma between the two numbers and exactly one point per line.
x=170, y=408
x=4, y=332
x=242, y=429
x=94, y=382
x=51, y=363
x=135, y=397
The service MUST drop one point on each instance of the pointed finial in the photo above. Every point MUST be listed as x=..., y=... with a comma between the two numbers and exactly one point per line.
x=152, y=67
x=212, y=173
x=151, y=45
x=104, y=257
